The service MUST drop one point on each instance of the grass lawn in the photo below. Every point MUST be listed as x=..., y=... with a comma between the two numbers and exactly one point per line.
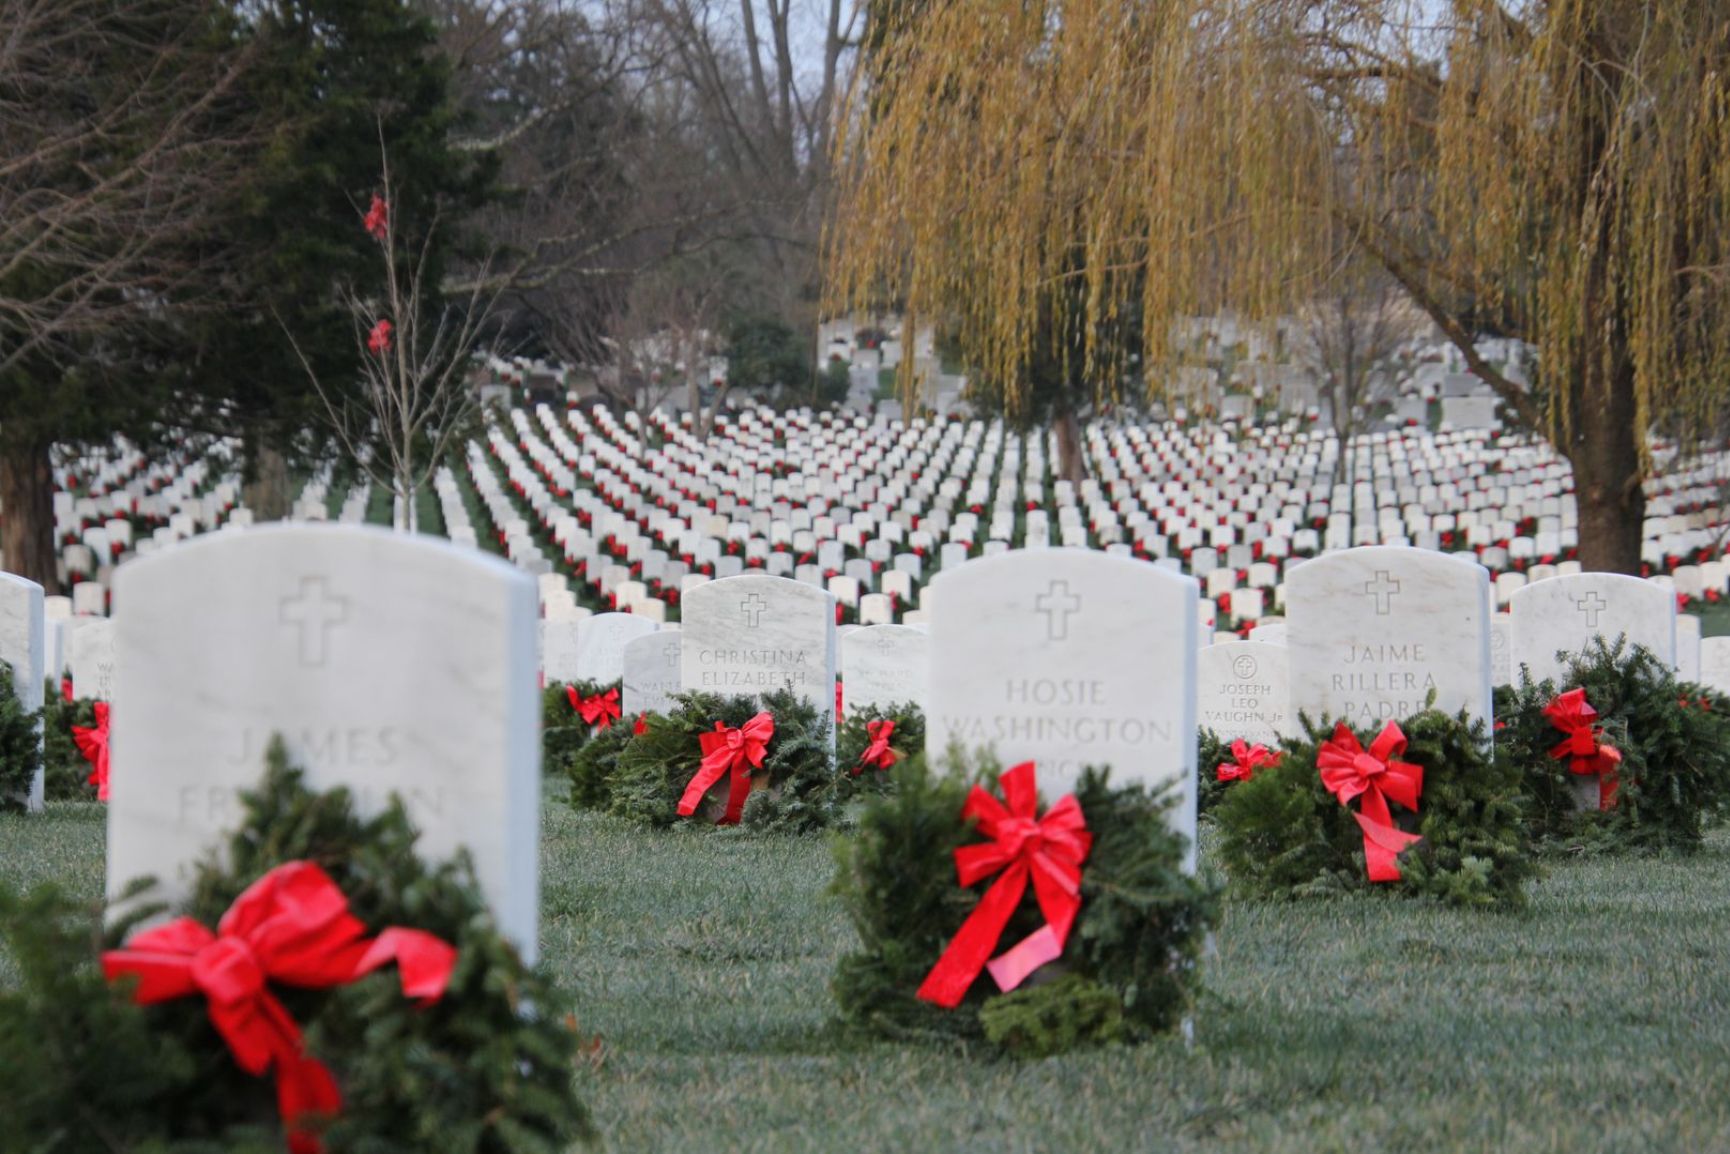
x=1597, y=1020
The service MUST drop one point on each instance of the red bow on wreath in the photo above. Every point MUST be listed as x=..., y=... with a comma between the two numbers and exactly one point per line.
x=1574, y=716
x=1246, y=759
x=291, y=926
x=1349, y=772
x=92, y=742
x=877, y=755
x=602, y=709
x=1049, y=850
x=734, y=752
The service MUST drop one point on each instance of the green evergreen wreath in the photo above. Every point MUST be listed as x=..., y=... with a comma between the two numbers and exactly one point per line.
x=488, y=1069
x=1283, y=835
x=1129, y=969
x=1673, y=736
x=800, y=790
x=906, y=740
x=20, y=747
x=592, y=767
x=66, y=773
x=563, y=730
x=1210, y=750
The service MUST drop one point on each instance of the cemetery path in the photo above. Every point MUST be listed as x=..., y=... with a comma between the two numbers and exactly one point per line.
x=702, y=960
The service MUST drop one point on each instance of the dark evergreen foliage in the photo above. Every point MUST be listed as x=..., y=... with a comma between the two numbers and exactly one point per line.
x=592, y=766
x=66, y=773
x=20, y=746
x=907, y=740
x=1674, y=738
x=1282, y=834
x=1210, y=750
x=563, y=731
x=1130, y=966
x=489, y=1068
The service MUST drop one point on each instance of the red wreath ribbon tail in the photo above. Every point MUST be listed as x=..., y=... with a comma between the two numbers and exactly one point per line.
x=1012, y=967
x=1608, y=759
x=424, y=962
x=711, y=769
x=738, y=793
x=1059, y=892
x=306, y=1094
x=970, y=949
x=1382, y=846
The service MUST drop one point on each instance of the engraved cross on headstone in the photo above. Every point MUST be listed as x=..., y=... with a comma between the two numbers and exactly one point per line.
x=1591, y=605
x=1383, y=589
x=1057, y=603
x=316, y=612
x=752, y=607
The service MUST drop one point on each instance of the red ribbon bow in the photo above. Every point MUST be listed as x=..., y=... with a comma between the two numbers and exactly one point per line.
x=1349, y=772
x=602, y=709
x=1246, y=759
x=291, y=926
x=1049, y=849
x=92, y=742
x=1574, y=716
x=877, y=755
x=734, y=752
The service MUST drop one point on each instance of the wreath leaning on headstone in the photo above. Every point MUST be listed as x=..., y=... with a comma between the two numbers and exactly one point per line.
x=66, y=771
x=760, y=762
x=20, y=747
x=1424, y=807
x=1095, y=925
x=423, y=1029
x=871, y=743
x=572, y=713
x=1619, y=756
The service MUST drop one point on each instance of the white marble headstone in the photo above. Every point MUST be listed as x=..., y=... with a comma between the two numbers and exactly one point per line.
x=1069, y=658
x=22, y=647
x=1501, y=649
x=558, y=650
x=1373, y=630
x=751, y=634
x=601, y=642
x=1687, y=647
x=651, y=675
x=92, y=658
x=1243, y=690
x=1563, y=614
x=883, y=665
x=387, y=662
x=1715, y=663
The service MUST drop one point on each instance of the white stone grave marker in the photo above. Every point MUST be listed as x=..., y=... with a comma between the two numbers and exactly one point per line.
x=751, y=634
x=1565, y=613
x=1243, y=690
x=884, y=665
x=1373, y=630
x=1069, y=658
x=387, y=662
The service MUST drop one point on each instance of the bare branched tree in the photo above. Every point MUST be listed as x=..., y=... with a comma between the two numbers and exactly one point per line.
x=414, y=402
x=1356, y=333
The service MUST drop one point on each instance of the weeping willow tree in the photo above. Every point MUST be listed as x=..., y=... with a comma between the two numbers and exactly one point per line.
x=1557, y=172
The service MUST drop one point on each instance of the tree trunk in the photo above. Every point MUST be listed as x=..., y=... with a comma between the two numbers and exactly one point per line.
x=1605, y=453
x=266, y=490
x=1071, y=466
x=27, y=514
x=706, y=421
